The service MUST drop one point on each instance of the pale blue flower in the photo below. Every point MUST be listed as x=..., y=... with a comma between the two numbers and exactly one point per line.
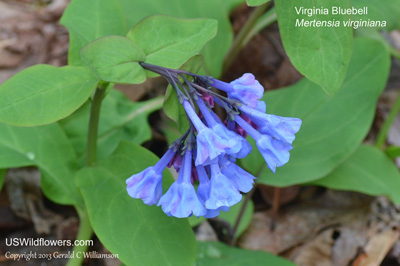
x=281, y=128
x=223, y=192
x=245, y=89
x=209, y=144
x=203, y=191
x=239, y=147
x=147, y=185
x=181, y=199
x=275, y=152
x=242, y=180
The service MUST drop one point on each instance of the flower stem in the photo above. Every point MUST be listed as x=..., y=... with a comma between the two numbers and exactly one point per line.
x=395, y=53
x=84, y=233
x=240, y=215
x=264, y=21
x=85, y=230
x=238, y=43
x=380, y=140
x=91, y=149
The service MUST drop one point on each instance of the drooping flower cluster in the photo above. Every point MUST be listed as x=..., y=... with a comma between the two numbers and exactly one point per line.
x=206, y=154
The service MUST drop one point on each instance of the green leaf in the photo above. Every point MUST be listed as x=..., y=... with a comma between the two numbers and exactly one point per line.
x=393, y=152
x=43, y=94
x=169, y=41
x=231, y=216
x=48, y=148
x=333, y=127
x=321, y=54
x=2, y=177
x=140, y=234
x=369, y=171
x=88, y=20
x=115, y=59
x=172, y=107
x=388, y=10
x=215, y=253
x=195, y=221
x=170, y=130
x=120, y=119
x=256, y=2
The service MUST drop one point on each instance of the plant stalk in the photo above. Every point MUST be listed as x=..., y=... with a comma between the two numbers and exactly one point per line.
x=91, y=149
x=241, y=37
x=381, y=138
x=85, y=230
x=241, y=213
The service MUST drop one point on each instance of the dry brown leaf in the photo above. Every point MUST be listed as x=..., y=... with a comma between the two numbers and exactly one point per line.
x=317, y=252
x=377, y=248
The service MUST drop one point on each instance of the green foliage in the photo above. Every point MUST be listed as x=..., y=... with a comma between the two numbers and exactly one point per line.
x=321, y=54
x=115, y=59
x=388, y=10
x=120, y=119
x=140, y=234
x=43, y=94
x=329, y=133
x=49, y=149
x=369, y=171
x=393, y=152
x=256, y=2
x=88, y=20
x=169, y=41
x=214, y=253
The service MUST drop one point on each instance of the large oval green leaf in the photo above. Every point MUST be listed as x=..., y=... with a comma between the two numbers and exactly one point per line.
x=369, y=171
x=322, y=54
x=115, y=59
x=388, y=10
x=48, y=148
x=43, y=94
x=333, y=127
x=139, y=234
x=169, y=41
x=88, y=20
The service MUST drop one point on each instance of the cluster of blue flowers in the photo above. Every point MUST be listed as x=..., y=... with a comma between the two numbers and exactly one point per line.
x=207, y=152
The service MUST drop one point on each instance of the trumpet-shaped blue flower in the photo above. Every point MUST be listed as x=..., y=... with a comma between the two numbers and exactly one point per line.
x=242, y=180
x=181, y=199
x=209, y=144
x=240, y=147
x=147, y=185
x=223, y=192
x=274, y=151
x=245, y=89
x=281, y=128
x=203, y=191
